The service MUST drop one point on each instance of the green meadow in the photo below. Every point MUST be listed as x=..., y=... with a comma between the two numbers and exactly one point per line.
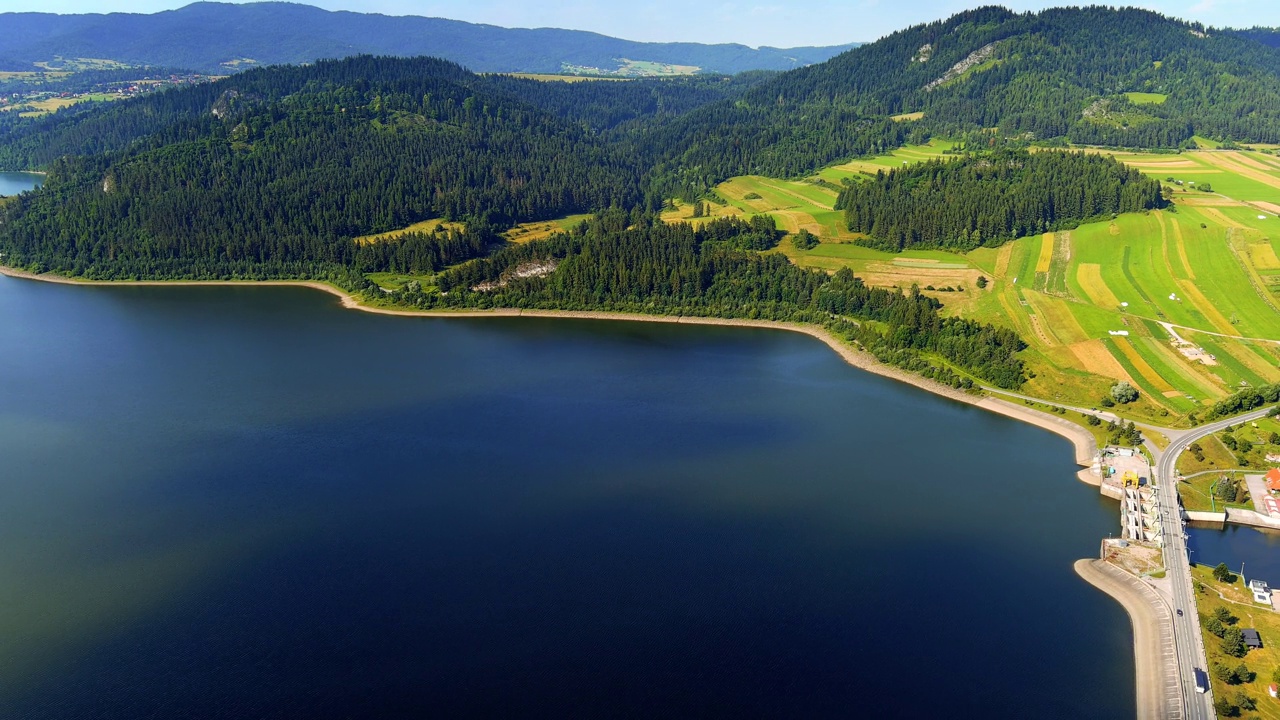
x=1094, y=304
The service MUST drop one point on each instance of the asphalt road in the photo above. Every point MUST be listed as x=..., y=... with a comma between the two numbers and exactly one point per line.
x=1187, y=637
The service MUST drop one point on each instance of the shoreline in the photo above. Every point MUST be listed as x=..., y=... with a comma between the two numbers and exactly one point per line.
x=1083, y=442
x=1147, y=613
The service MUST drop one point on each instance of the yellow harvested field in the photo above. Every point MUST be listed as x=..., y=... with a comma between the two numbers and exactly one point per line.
x=1056, y=315
x=1003, y=256
x=1019, y=319
x=1046, y=253
x=1205, y=306
x=923, y=275
x=1172, y=394
x=1228, y=162
x=426, y=226
x=1249, y=355
x=1147, y=164
x=1209, y=201
x=684, y=213
x=883, y=275
x=529, y=232
x=778, y=187
x=1263, y=256
x=736, y=192
x=904, y=117
x=1271, y=161
x=1144, y=368
x=565, y=78
x=1090, y=278
x=1094, y=357
x=1042, y=332
x=1268, y=206
x=1248, y=161
x=1219, y=218
x=1182, y=250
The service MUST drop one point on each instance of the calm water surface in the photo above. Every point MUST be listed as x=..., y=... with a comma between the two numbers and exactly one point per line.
x=12, y=183
x=231, y=503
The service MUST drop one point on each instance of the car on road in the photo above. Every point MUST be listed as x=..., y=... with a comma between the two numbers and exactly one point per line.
x=1179, y=612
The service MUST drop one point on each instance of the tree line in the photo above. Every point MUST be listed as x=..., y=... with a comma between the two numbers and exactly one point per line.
x=989, y=198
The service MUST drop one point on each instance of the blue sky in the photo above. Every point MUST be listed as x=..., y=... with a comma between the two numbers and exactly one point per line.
x=779, y=23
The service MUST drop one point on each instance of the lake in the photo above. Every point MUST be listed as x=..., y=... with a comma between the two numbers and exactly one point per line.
x=13, y=183
x=248, y=502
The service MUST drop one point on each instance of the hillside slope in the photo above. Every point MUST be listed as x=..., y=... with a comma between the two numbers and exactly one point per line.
x=275, y=171
x=1089, y=75
x=219, y=37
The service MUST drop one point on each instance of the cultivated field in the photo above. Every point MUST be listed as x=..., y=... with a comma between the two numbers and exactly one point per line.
x=1183, y=303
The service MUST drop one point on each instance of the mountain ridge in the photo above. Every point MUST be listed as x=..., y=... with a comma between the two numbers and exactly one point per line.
x=219, y=37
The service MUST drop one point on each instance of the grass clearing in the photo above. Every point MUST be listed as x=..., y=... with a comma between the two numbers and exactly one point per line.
x=530, y=232
x=1236, y=600
x=395, y=281
x=1197, y=490
x=1143, y=98
x=426, y=227
x=1216, y=457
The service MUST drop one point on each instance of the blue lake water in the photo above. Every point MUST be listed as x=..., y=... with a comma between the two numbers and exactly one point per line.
x=248, y=502
x=12, y=183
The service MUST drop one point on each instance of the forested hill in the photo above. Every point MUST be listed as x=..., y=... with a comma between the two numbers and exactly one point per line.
x=221, y=37
x=1091, y=75
x=273, y=172
x=198, y=111
x=991, y=198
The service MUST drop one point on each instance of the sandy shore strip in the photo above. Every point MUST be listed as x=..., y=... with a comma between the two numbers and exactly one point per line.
x=1085, y=445
x=1152, y=635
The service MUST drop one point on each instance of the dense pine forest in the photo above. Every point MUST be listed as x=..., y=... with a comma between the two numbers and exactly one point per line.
x=991, y=198
x=275, y=172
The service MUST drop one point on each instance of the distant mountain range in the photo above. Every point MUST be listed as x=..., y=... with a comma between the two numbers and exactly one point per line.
x=219, y=37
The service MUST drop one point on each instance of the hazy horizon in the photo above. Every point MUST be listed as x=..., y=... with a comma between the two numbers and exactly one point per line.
x=774, y=24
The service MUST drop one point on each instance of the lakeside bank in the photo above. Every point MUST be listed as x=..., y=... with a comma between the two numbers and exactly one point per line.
x=1084, y=443
x=1152, y=631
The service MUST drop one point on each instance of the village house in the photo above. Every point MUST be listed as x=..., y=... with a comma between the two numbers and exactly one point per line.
x=1273, y=480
